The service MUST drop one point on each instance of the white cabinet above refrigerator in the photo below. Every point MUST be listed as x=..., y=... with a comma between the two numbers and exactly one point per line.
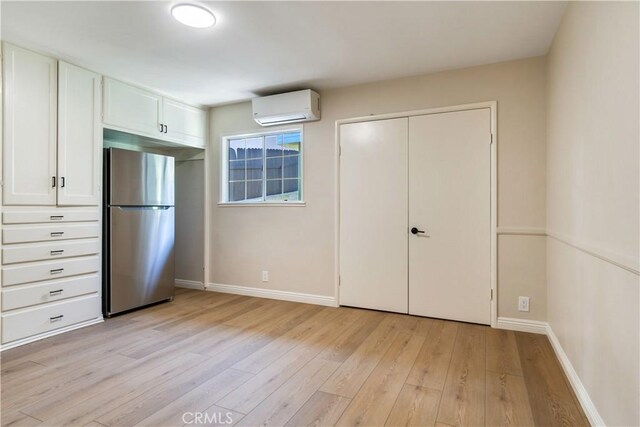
x=130, y=109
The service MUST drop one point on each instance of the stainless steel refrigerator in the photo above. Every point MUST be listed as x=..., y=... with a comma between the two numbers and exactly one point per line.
x=139, y=230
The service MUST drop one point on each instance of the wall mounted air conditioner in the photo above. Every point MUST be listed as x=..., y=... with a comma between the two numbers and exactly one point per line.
x=292, y=107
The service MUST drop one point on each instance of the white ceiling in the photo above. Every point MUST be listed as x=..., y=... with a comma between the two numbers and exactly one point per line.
x=260, y=48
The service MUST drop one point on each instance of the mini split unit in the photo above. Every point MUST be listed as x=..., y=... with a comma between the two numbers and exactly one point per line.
x=292, y=107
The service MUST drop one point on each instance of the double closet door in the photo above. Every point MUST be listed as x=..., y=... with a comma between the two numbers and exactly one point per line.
x=415, y=215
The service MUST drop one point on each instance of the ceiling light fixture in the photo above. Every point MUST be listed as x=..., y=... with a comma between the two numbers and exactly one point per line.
x=193, y=15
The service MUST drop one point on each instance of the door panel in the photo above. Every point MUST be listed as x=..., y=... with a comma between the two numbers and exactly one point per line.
x=79, y=136
x=141, y=179
x=449, y=198
x=142, y=256
x=30, y=87
x=130, y=108
x=184, y=123
x=373, y=214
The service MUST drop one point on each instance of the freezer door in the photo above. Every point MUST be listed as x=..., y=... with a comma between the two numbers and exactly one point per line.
x=140, y=179
x=141, y=251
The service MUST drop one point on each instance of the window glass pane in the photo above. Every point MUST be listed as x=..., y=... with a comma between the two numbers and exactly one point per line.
x=274, y=167
x=291, y=166
x=254, y=168
x=273, y=145
x=236, y=170
x=236, y=149
x=254, y=190
x=291, y=143
x=236, y=191
x=274, y=189
x=291, y=189
x=254, y=147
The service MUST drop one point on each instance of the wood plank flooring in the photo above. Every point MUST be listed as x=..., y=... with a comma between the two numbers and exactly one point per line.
x=218, y=359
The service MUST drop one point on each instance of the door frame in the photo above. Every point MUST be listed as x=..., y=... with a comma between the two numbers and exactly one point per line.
x=493, y=107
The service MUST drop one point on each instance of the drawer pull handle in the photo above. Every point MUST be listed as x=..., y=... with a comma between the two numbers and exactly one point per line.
x=57, y=233
x=56, y=271
x=56, y=292
x=57, y=252
x=56, y=217
x=56, y=318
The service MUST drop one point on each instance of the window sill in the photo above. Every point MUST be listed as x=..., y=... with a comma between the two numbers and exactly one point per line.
x=262, y=204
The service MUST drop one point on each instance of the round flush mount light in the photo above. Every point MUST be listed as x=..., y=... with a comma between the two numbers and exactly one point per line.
x=193, y=15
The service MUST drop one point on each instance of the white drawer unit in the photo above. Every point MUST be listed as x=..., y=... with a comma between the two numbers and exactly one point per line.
x=44, y=318
x=49, y=291
x=26, y=252
x=49, y=216
x=45, y=233
x=38, y=271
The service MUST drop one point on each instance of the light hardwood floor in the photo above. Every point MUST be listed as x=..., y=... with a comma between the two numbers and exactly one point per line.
x=265, y=362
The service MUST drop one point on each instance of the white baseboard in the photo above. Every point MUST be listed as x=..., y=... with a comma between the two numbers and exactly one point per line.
x=273, y=294
x=39, y=337
x=537, y=327
x=578, y=388
x=189, y=284
x=522, y=325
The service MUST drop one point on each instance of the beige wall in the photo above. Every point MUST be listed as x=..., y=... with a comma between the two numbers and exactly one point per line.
x=592, y=202
x=296, y=244
x=189, y=214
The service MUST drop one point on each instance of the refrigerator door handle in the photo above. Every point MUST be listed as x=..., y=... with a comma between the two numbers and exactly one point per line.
x=142, y=208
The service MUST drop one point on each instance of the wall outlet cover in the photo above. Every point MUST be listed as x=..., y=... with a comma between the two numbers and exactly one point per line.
x=265, y=276
x=523, y=303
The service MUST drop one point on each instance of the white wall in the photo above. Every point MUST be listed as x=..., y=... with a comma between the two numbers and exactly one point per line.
x=592, y=202
x=296, y=244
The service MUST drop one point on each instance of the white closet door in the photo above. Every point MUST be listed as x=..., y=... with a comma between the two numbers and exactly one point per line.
x=79, y=136
x=29, y=127
x=373, y=214
x=449, y=199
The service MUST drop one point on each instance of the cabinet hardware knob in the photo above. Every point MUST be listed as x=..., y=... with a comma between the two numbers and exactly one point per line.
x=56, y=318
x=56, y=217
x=56, y=270
x=62, y=182
x=57, y=233
x=57, y=252
x=56, y=292
x=53, y=182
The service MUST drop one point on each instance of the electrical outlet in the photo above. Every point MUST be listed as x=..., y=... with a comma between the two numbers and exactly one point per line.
x=523, y=303
x=265, y=276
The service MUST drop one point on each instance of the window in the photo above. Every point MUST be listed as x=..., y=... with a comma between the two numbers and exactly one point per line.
x=263, y=168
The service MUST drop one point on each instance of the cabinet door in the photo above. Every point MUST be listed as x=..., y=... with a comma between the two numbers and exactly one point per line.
x=79, y=136
x=29, y=127
x=131, y=109
x=185, y=124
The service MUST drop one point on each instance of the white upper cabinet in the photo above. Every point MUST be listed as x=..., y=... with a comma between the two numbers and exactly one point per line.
x=183, y=122
x=79, y=136
x=131, y=109
x=29, y=127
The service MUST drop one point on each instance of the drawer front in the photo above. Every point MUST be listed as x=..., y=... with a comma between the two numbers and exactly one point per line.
x=49, y=291
x=36, y=320
x=47, y=233
x=37, y=271
x=60, y=215
x=45, y=251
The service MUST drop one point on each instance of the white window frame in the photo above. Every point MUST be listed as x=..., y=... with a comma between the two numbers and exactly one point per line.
x=224, y=169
